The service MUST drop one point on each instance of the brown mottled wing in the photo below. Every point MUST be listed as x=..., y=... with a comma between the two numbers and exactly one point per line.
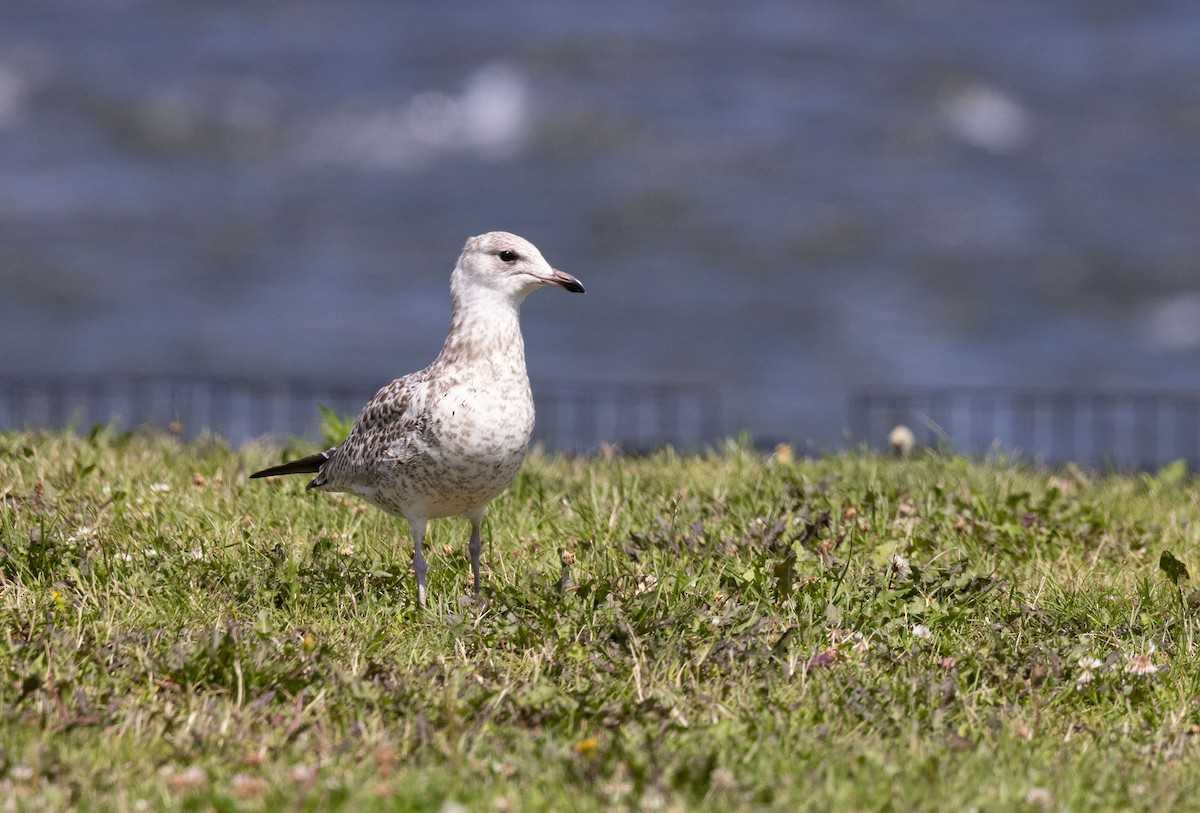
x=395, y=413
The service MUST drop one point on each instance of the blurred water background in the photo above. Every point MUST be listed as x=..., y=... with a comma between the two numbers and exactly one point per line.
x=784, y=201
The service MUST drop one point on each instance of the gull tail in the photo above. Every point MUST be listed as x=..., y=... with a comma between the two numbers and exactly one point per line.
x=305, y=465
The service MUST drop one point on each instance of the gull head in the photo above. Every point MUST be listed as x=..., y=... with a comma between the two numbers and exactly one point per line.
x=506, y=264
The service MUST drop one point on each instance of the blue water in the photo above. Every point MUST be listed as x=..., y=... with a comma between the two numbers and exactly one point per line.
x=787, y=200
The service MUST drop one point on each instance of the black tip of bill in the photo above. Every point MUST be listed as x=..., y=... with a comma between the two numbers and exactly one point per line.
x=564, y=280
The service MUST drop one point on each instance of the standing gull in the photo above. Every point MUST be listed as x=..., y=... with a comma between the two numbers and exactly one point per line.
x=444, y=441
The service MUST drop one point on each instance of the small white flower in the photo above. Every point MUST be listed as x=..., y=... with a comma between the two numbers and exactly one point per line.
x=245, y=786
x=652, y=799
x=81, y=533
x=160, y=487
x=150, y=553
x=1141, y=665
x=1039, y=797
x=1088, y=667
x=646, y=583
x=838, y=637
x=921, y=631
x=122, y=556
x=863, y=644
x=195, y=554
x=192, y=777
x=722, y=779
x=898, y=564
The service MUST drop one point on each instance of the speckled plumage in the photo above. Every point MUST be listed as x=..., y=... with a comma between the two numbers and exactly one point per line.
x=446, y=440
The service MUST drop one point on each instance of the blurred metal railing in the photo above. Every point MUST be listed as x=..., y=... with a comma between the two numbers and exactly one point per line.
x=1104, y=429
x=635, y=417
x=571, y=417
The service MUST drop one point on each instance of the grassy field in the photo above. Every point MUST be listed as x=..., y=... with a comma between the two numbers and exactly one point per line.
x=722, y=631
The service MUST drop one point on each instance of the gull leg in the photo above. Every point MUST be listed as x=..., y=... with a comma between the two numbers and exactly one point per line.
x=473, y=547
x=419, y=565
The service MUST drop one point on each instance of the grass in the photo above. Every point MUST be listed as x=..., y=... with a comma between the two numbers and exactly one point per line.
x=721, y=631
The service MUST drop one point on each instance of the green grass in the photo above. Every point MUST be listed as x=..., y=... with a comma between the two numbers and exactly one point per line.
x=667, y=633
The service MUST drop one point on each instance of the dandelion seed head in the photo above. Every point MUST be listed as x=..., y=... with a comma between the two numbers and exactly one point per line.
x=901, y=440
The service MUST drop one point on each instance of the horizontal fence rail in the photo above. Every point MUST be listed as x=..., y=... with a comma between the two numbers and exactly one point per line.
x=634, y=417
x=1111, y=430
x=571, y=417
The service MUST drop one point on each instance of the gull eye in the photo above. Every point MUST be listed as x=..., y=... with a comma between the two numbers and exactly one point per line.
x=508, y=256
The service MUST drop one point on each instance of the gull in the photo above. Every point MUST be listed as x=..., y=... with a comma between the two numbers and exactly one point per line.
x=446, y=440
